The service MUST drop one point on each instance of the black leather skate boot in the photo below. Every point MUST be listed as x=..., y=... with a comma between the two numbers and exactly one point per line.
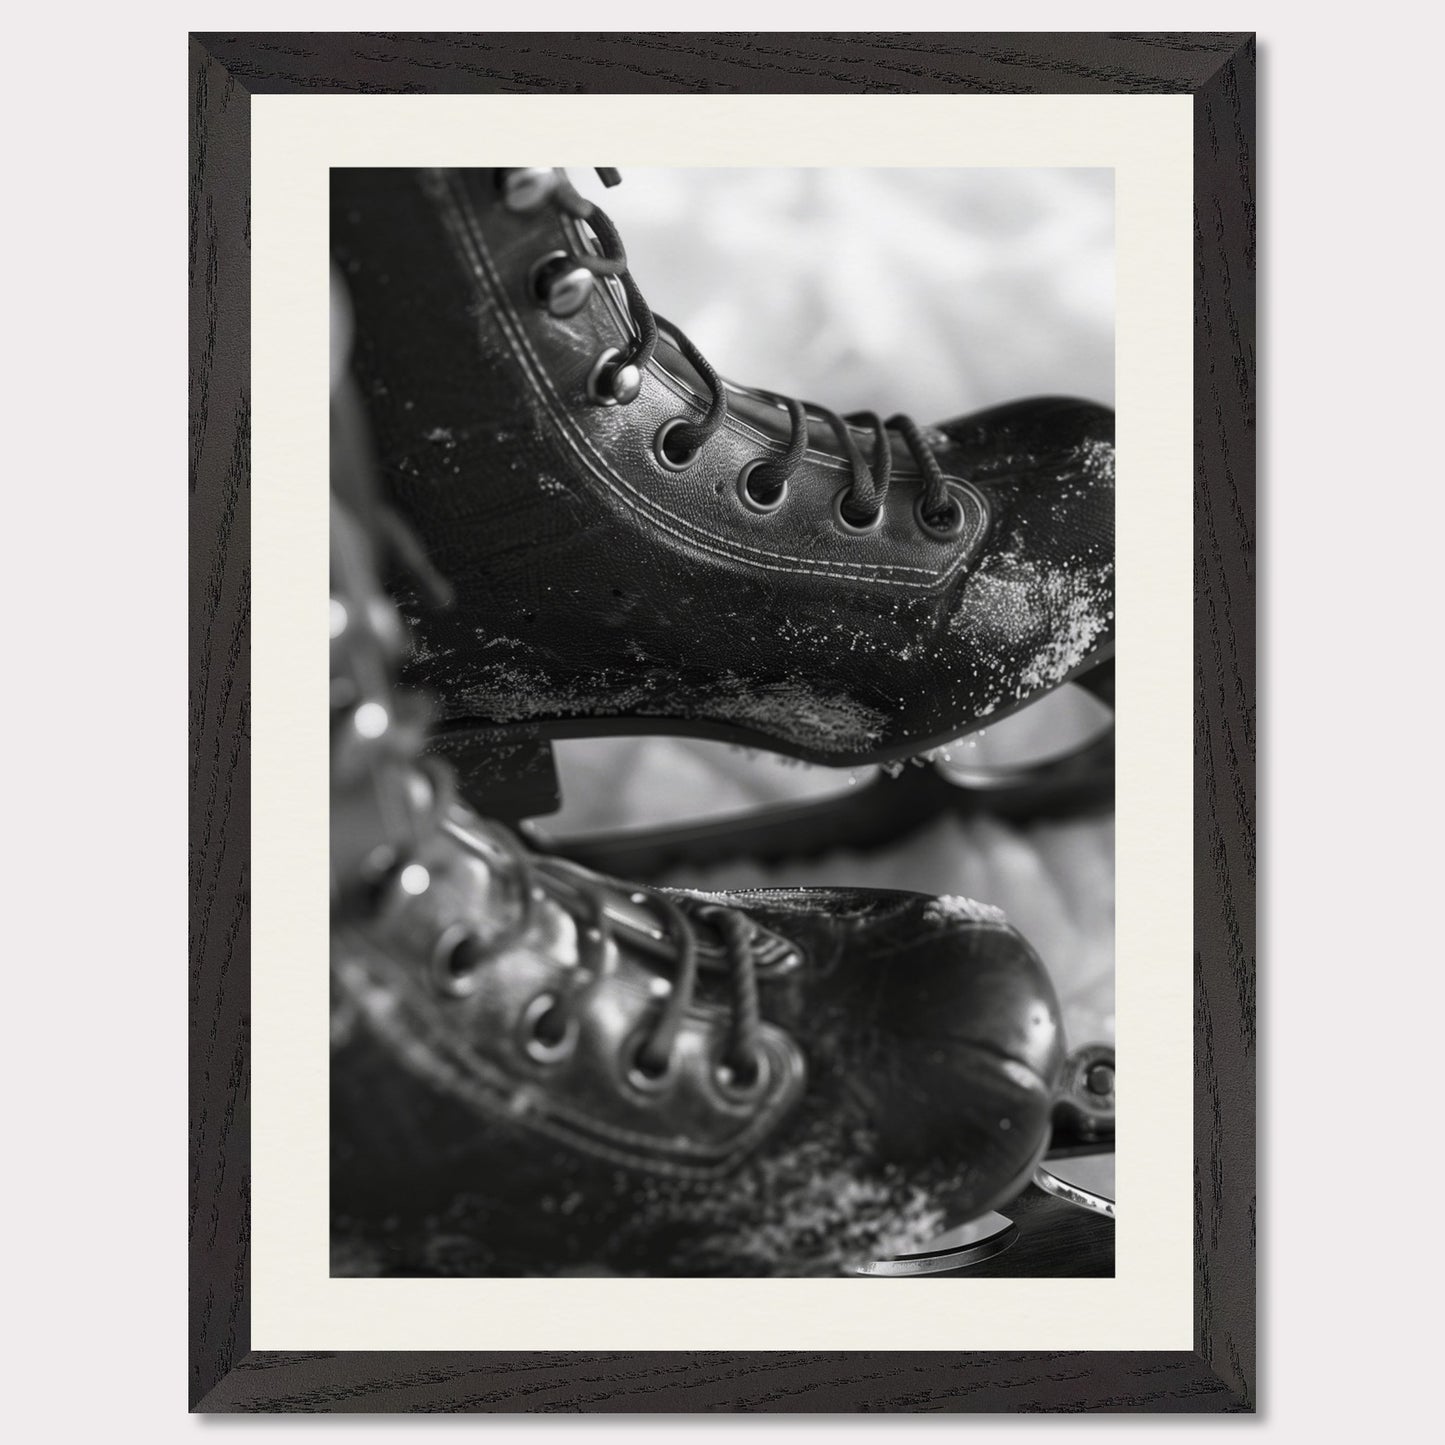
x=537, y=1069
x=637, y=545
x=663, y=1083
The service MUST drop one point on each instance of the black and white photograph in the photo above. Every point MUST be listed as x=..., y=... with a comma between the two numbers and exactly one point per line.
x=759, y=468
x=722, y=619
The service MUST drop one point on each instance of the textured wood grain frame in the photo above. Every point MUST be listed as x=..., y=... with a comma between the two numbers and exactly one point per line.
x=1218, y=70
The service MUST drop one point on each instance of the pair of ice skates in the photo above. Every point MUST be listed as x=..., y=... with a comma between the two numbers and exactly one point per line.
x=538, y=1067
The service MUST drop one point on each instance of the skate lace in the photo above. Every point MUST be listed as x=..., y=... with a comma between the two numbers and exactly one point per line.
x=764, y=482
x=388, y=725
x=583, y=895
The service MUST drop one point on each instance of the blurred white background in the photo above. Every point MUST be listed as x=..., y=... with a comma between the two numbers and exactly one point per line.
x=928, y=291
x=934, y=292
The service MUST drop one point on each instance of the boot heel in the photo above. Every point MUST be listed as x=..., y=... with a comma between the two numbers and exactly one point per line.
x=504, y=777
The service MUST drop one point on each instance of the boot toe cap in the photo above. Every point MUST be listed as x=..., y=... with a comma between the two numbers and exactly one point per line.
x=976, y=1046
x=1036, y=605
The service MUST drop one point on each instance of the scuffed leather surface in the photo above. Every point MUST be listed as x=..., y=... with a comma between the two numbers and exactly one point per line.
x=932, y=1044
x=593, y=583
x=910, y=1045
x=473, y=1048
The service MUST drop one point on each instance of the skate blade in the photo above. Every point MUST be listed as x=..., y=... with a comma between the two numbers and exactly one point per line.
x=968, y=1244
x=851, y=809
x=1084, y=1180
x=617, y=785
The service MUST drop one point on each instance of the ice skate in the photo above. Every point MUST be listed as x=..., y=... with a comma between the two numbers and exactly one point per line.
x=638, y=546
x=538, y=1069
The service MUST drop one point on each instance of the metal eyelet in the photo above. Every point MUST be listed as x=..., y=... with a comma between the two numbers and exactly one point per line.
x=527, y=188
x=752, y=503
x=541, y=1050
x=413, y=879
x=559, y=285
x=659, y=446
x=456, y=961
x=370, y=720
x=611, y=385
x=643, y=1081
x=734, y=1088
x=852, y=528
x=947, y=532
x=419, y=791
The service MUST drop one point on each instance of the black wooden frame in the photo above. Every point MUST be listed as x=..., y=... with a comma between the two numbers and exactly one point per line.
x=1218, y=71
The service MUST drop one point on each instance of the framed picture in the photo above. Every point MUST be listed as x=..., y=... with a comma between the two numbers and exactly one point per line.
x=645, y=566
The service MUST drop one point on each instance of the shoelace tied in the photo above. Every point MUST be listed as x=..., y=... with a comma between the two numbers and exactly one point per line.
x=583, y=895
x=860, y=507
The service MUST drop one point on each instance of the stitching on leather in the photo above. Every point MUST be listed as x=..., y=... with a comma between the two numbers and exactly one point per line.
x=620, y=486
x=460, y=222
x=739, y=427
x=598, y=1136
x=614, y=1143
x=455, y=1068
x=736, y=424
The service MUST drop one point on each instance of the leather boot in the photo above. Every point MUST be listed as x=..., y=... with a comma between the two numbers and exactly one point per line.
x=637, y=545
x=537, y=1068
